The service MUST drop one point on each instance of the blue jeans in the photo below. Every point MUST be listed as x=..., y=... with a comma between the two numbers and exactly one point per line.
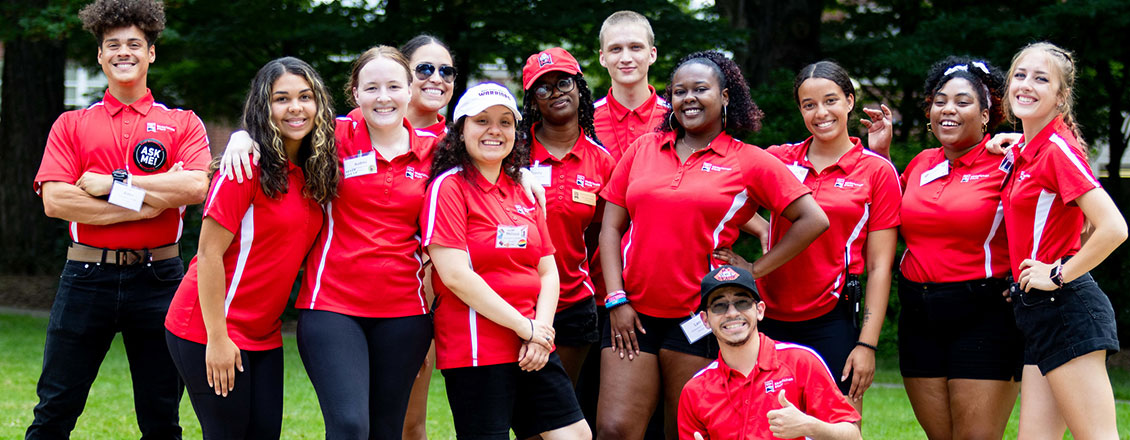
x=94, y=302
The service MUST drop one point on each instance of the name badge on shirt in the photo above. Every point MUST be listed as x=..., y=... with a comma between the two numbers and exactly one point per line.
x=126, y=196
x=1006, y=164
x=800, y=172
x=360, y=165
x=694, y=329
x=543, y=174
x=940, y=170
x=585, y=197
x=511, y=237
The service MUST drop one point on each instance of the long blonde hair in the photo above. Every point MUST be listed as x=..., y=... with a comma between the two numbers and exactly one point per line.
x=1063, y=62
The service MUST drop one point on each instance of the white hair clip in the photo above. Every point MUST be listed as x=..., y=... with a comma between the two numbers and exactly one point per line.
x=953, y=69
x=981, y=66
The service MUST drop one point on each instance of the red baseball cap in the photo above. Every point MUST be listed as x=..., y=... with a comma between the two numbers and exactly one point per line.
x=549, y=60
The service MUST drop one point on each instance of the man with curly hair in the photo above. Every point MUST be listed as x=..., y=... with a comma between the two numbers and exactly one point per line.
x=120, y=172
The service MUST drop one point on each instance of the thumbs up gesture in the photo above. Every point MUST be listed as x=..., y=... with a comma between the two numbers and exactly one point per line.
x=789, y=422
x=698, y=436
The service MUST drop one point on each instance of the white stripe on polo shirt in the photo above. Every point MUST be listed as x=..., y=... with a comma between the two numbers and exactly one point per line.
x=736, y=204
x=325, y=251
x=992, y=232
x=246, y=236
x=627, y=246
x=474, y=331
x=1043, y=208
x=74, y=232
x=786, y=345
x=432, y=203
x=419, y=274
x=1071, y=156
x=847, y=248
x=600, y=102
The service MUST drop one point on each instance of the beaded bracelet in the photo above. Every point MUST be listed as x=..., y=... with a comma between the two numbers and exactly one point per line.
x=864, y=344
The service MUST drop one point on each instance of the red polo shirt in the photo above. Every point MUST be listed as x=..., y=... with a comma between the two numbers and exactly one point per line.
x=272, y=236
x=367, y=260
x=571, y=205
x=859, y=193
x=618, y=126
x=723, y=404
x=952, y=217
x=465, y=211
x=143, y=138
x=1049, y=173
x=438, y=129
x=681, y=212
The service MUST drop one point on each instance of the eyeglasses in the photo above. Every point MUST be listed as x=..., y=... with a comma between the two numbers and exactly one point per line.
x=721, y=307
x=426, y=70
x=564, y=85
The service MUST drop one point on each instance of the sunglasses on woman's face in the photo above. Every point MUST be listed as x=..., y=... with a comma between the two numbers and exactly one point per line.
x=426, y=70
x=564, y=85
x=741, y=305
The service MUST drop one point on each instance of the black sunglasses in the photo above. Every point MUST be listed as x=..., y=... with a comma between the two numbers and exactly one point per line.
x=426, y=70
x=564, y=85
x=721, y=307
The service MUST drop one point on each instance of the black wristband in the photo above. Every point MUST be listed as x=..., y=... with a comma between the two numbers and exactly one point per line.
x=864, y=344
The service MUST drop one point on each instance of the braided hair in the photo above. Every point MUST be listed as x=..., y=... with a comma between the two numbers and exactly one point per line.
x=742, y=114
x=986, y=79
x=585, y=110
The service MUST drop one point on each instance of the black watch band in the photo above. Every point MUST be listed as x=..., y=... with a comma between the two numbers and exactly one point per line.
x=120, y=175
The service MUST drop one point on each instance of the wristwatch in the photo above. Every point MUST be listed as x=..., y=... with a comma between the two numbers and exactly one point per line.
x=1057, y=275
x=120, y=175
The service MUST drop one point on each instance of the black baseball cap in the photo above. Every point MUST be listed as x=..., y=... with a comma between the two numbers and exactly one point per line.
x=727, y=276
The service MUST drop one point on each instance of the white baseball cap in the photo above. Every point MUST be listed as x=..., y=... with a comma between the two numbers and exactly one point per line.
x=483, y=96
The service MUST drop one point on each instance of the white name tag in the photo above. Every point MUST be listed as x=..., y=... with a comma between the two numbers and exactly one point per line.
x=799, y=171
x=511, y=237
x=360, y=165
x=694, y=328
x=940, y=170
x=543, y=174
x=127, y=196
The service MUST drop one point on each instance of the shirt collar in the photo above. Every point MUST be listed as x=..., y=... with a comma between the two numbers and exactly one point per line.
x=1033, y=146
x=480, y=181
x=362, y=142
x=847, y=162
x=642, y=112
x=539, y=153
x=721, y=145
x=142, y=106
x=971, y=156
x=766, y=359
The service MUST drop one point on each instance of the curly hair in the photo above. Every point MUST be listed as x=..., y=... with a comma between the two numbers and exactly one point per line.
x=1063, y=62
x=742, y=114
x=986, y=79
x=585, y=112
x=368, y=56
x=451, y=152
x=317, y=155
x=105, y=15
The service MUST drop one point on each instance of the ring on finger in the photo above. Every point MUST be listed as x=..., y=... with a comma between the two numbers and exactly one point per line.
x=618, y=336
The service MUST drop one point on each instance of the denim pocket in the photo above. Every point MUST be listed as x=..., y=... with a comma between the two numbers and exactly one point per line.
x=78, y=270
x=171, y=270
x=1094, y=301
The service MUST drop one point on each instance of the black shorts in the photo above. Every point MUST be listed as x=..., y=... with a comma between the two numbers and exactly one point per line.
x=1063, y=324
x=832, y=335
x=664, y=333
x=576, y=326
x=487, y=401
x=961, y=330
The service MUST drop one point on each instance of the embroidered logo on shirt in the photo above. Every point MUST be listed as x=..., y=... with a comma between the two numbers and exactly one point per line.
x=774, y=385
x=586, y=183
x=708, y=167
x=1023, y=175
x=524, y=210
x=973, y=177
x=154, y=127
x=844, y=183
x=411, y=173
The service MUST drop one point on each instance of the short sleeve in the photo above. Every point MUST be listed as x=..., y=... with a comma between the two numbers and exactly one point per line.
x=822, y=398
x=689, y=422
x=228, y=200
x=886, y=197
x=193, y=148
x=904, y=177
x=444, y=216
x=60, y=161
x=616, y=189
x=768, y=181
x=1071, y=172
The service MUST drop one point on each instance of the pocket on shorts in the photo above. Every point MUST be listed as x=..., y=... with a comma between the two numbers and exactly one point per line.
x=1095, y=301
x=78, y=270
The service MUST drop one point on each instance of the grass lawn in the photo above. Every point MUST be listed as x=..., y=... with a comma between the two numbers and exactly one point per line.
x=109, y=411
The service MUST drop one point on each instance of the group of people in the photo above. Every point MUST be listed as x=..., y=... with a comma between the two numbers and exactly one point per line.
x=564, y=241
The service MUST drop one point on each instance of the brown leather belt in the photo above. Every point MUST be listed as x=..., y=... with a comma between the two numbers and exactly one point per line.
x=122, y=257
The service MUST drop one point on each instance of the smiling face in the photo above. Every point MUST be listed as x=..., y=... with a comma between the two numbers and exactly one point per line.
x=125, y=56
x=956, y=115
x=734, y=328
x=489, y=136
x=432, y=94
x=293, y=108
x=559, y=108
x=1034, y=89
x=382, y=93
x=824, y=108
x=626, y=54
x=697, y=99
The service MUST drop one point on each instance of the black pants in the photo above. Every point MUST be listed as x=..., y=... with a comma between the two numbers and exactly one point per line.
x=362, y=369
x=94, y=302
x=251, y=410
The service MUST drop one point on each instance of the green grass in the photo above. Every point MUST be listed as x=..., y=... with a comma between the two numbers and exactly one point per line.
x=109, y=411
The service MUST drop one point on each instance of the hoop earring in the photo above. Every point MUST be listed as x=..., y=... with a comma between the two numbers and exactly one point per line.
x=723, y=117
x=984, y=127
x=671, y=121
x=929, y=128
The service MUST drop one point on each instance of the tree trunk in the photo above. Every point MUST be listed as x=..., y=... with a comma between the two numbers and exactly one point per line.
x=783, y=34
x=31, y=99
